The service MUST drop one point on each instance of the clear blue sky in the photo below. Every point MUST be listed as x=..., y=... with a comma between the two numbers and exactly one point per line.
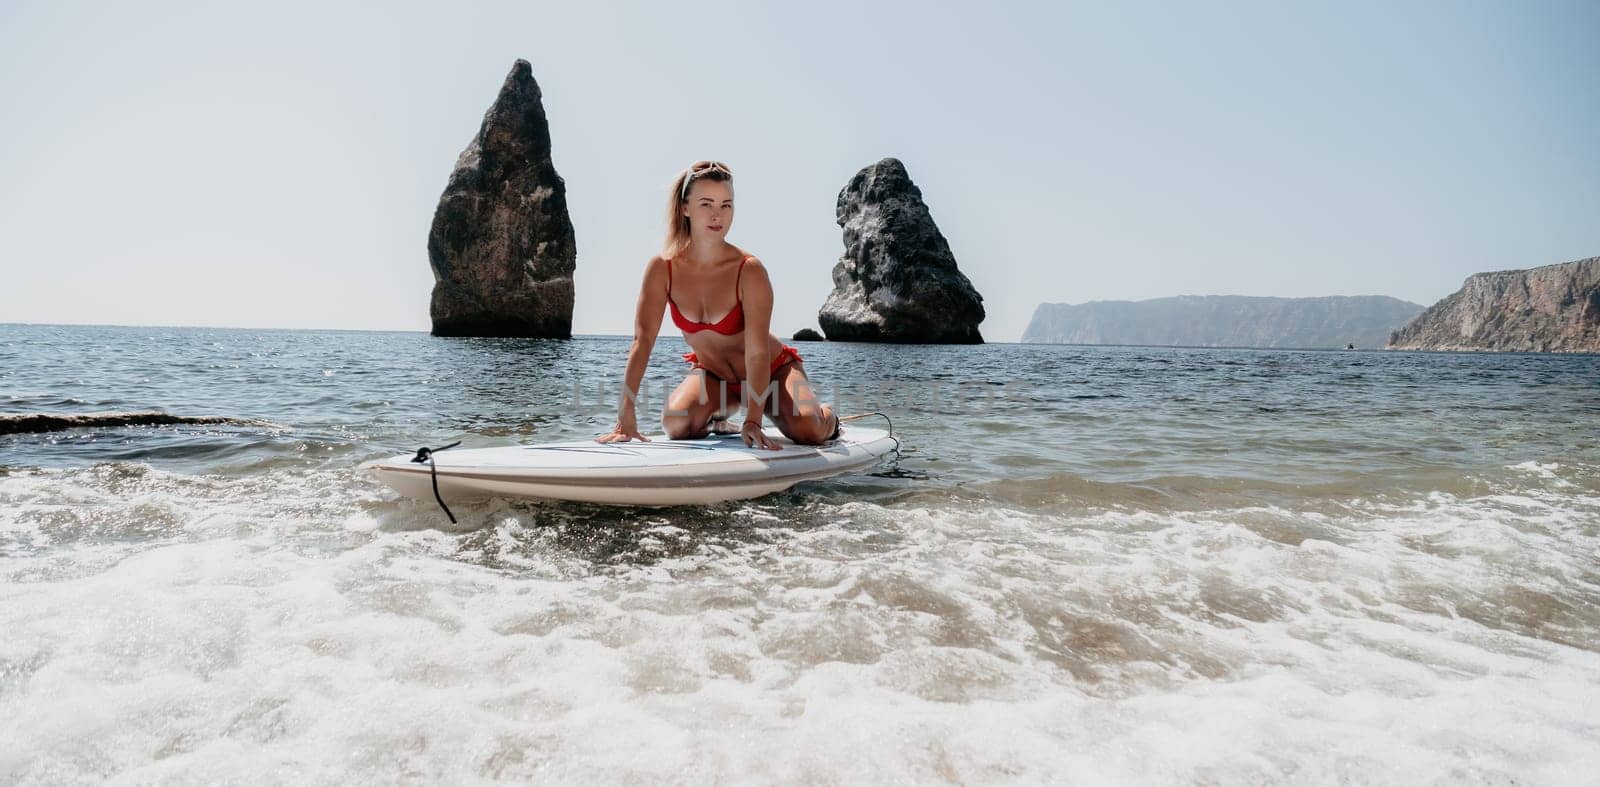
x=277, y=165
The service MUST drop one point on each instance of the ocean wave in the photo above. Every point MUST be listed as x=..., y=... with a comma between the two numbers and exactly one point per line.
x=301, y=622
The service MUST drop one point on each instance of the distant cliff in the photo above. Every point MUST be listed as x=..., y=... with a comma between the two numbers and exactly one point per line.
x=1555, y=308
x=1224, y=321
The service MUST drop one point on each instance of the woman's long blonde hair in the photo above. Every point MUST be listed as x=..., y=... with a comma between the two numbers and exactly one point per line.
x=677, y=223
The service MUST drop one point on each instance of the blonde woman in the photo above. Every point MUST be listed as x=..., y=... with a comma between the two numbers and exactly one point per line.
x=721, y=298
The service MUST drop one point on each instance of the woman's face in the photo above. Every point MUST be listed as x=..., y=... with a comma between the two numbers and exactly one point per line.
x=709, y=208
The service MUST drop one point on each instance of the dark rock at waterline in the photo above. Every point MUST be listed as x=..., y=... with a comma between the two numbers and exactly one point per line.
x=806, y=335
x=1554, y=308
x=502, y=246
x=897, y=280
x=23, y=423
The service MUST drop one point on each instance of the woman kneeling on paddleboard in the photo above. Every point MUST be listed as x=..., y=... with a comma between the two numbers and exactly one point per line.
x=734, y=357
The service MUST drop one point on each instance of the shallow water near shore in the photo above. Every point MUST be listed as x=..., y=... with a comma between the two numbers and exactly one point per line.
x=1090, y=564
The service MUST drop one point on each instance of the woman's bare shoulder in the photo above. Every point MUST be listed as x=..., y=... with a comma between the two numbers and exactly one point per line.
x=656, y=272
x=754, y=263
x=750, y=260
x=656, y=265
x=753, y=274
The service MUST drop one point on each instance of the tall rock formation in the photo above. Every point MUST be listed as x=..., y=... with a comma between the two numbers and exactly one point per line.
x=1224, y=321
x=897, y=280
x=502, y=246
x=1555, y=308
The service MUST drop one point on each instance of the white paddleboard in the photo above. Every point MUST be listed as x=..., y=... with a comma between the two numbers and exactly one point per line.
x=661, y=472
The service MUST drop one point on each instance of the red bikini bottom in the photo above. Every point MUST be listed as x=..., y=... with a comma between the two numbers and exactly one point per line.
x=735, y=388
x=784, y=356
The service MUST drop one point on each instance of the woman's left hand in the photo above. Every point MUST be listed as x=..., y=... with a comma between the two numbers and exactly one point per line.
x=754, y=437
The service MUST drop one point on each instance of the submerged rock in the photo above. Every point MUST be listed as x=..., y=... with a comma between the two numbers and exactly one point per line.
x=1555, y=308
x=502, y=246
x=897, y=280
x=24, y=423
x=1224, y=321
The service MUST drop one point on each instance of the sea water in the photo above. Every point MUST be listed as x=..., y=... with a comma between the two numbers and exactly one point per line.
x=1089, y=564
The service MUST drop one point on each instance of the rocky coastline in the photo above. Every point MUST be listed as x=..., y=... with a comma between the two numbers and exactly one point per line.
x=1554, y=308
x=1224, y=321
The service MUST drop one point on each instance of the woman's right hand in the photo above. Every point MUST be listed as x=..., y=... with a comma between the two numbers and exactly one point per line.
x=622, y=432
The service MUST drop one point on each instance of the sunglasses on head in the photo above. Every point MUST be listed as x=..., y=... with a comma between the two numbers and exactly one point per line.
x=700, y=168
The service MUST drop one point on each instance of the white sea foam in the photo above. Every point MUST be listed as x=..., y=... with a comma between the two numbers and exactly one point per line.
x=293, y=626
x=1545, y=470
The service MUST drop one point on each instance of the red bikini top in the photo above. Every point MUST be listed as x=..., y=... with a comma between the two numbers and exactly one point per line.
x=731, y=323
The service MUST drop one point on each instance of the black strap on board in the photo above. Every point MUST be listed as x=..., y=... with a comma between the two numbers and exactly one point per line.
x=425, y=454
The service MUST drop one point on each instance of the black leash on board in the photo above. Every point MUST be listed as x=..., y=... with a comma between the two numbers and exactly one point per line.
x=425, y=454
x=893, y=470
x=885, y=417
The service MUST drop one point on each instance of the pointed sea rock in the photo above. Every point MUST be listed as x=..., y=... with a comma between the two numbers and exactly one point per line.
x=897, y=280
x=502, y=246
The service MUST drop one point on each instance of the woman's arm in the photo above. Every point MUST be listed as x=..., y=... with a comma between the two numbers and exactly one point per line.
x=646, y=326
x=757, y=299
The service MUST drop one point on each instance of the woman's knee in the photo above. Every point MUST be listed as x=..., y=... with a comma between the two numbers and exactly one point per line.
x=807, y=434
x=683, y=427
x=687, y=418
x=809, y=427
